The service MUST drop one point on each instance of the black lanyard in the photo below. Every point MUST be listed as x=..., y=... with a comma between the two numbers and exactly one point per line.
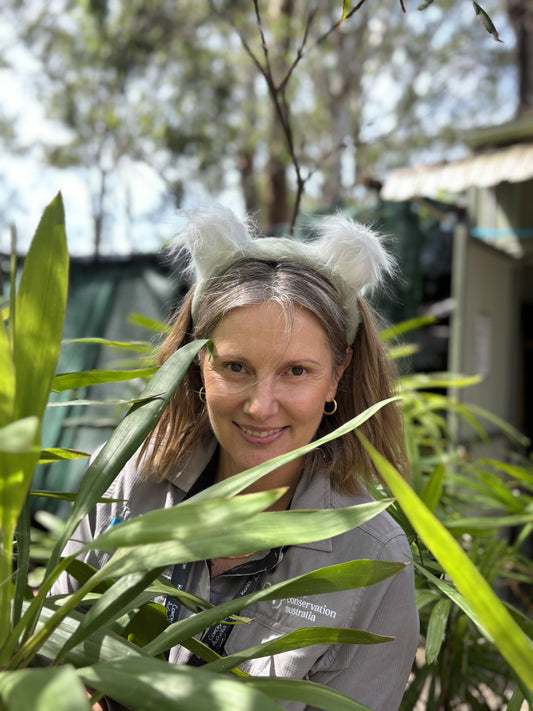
x=180, y=577
x=216, y=636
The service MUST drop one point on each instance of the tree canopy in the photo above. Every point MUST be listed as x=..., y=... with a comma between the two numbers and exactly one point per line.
x=285, y=104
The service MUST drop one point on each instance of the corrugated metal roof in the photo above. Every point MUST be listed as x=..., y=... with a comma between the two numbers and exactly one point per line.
x=513, y=164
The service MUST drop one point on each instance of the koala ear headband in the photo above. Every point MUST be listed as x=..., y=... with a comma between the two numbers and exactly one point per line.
x=346, y=253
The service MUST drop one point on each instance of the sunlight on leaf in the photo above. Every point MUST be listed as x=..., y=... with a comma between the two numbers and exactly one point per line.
x=486, y=21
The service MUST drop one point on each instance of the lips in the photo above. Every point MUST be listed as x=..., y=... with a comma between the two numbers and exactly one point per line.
x=260, y=433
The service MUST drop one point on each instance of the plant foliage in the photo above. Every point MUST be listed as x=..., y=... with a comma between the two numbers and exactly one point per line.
x=48, y=650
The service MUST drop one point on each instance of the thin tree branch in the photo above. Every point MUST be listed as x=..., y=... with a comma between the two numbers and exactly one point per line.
x=300, y=52
x=278, y=92
x=264, y=44
x=339, y=23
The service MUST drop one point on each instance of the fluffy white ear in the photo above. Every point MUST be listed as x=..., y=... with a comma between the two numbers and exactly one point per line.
x=353, y=252
x=212, y=236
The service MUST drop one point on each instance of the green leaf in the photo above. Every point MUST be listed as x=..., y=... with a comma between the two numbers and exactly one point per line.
x=40, y=312
x=516, y=700
x=486, y=523
x=22, y=536
x=19, y=436
x=138, y=346
x=104, y=644
x=432, y=490
x=269, y=530
x=58, y=454
x=521, y=473
x=146, y=624
x=436, y=629
x=60, y=495
x=512, y=643
x=149, y=323
x=111, y=605
x=404, y=351
x=305, y=692
x=126, y=439
x=297, y=639
x=184, y=521
x=83, y=379
x=109, y=403
x=344, y=576
x=486, y=21
x=387, y=334
x=54, y=688
x=7, y=381
x=36, y=327
x=154, y=685
x=428, y=381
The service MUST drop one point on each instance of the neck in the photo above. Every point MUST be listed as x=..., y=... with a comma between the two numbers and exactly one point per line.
x=280, y=478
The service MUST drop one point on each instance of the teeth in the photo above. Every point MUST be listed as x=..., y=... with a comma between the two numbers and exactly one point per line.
x=264, y=433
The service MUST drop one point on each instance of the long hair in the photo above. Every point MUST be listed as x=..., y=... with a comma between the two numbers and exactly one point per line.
x=368, y=379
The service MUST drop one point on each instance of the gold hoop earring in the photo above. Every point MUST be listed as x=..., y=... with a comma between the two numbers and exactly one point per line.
x=201, y=394
x=334, y=409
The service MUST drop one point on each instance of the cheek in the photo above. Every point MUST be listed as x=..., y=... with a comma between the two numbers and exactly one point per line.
x=222, y=397
x=220, y=391
x=307, y=406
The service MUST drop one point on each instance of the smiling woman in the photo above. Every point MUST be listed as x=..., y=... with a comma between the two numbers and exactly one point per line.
x=265, y=389
x=294, y=354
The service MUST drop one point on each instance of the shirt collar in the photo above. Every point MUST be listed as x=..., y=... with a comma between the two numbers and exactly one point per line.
x=185, y=475
x=312, y=492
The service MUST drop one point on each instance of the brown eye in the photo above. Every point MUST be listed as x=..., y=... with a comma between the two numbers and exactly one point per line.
x=297, y=370
x=235, y=367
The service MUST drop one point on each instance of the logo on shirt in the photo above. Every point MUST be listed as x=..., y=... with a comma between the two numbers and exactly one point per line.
x=122, y=516
x=298, y=607
x=307, y=610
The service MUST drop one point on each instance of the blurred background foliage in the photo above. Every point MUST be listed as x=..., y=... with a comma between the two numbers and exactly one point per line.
x=137, y=108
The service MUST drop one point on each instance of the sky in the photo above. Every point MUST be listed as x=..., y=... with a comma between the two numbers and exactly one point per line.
x=26, y=186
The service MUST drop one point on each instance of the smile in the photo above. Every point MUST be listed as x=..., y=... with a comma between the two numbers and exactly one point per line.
x=262, y=434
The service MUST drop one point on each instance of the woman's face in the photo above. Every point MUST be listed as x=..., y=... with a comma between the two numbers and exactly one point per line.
x=265, y=385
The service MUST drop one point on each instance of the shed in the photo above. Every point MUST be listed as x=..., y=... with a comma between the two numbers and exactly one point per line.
x=492, y=272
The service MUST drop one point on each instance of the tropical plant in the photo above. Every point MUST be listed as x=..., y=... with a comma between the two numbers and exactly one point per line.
x=485, y=506
x=49, y=652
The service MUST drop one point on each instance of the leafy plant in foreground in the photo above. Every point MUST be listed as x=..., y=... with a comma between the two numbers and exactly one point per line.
x=112, y=649
x=47, y=649
x=486, y=507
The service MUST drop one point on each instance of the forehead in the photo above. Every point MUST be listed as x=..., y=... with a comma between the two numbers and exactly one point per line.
x=272, y=326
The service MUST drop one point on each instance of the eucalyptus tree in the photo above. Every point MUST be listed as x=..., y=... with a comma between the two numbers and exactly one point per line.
x=281, y=102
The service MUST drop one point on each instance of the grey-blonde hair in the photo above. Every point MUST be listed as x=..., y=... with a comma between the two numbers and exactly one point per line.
x=368, y=379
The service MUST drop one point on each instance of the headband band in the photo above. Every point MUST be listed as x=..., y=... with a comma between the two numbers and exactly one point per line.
x=346, y=253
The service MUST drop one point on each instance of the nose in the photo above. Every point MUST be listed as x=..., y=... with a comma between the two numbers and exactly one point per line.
x=262, y=398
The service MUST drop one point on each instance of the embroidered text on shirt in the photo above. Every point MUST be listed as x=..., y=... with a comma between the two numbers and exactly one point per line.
x=306, y=609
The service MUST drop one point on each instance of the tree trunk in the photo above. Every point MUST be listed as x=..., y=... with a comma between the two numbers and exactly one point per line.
x=248, y=185
x=521, y=16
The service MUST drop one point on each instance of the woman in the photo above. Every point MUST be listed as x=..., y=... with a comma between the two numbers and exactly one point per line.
x=295, y=354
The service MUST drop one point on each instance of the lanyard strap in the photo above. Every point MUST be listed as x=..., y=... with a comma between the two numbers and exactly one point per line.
x=179, y=579
x=216, y=636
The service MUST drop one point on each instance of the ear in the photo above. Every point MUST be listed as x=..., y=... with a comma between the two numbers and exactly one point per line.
x=352, y=251
x=339, y=371
x=212, y=236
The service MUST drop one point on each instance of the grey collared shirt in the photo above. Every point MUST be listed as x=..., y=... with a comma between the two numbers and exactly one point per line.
x=374, y=675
